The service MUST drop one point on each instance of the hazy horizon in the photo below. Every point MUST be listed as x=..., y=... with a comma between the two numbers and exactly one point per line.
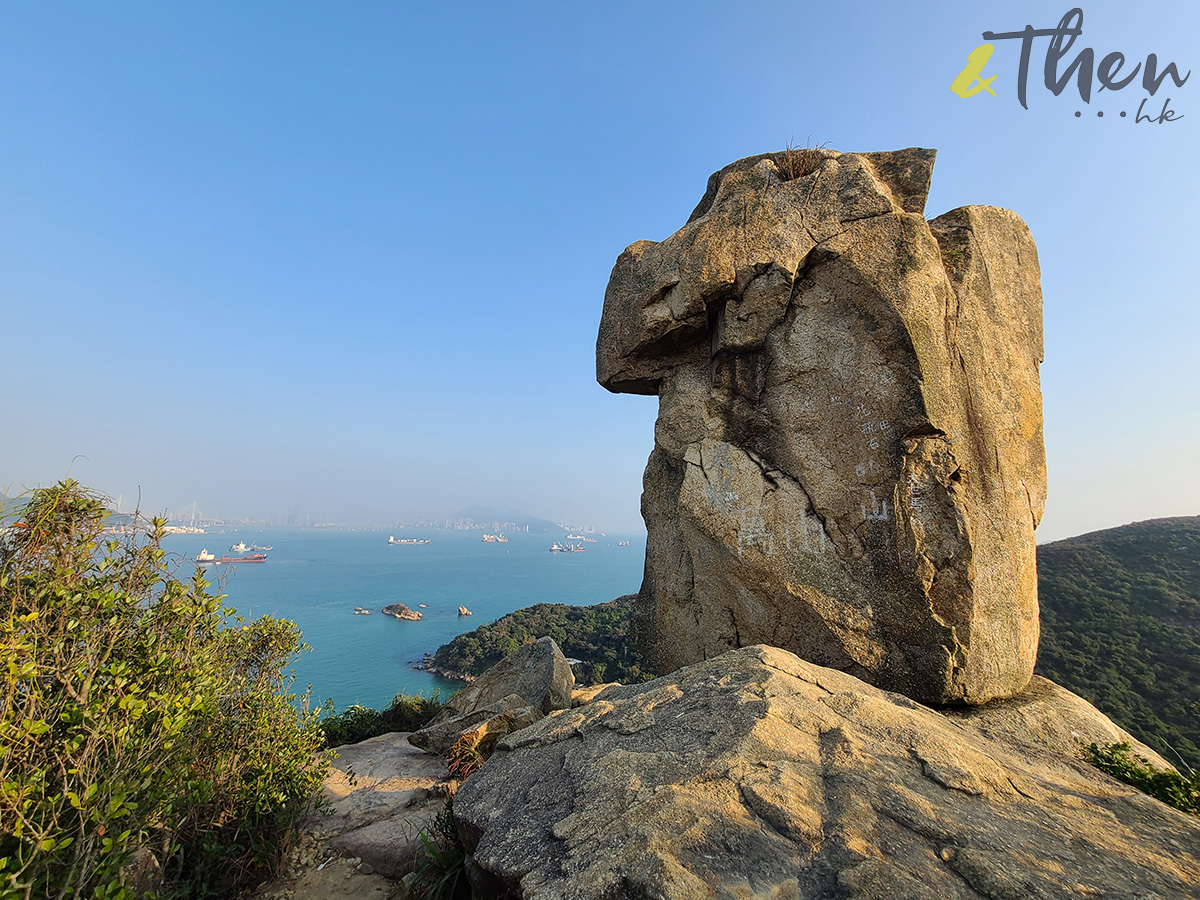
x=285, y=259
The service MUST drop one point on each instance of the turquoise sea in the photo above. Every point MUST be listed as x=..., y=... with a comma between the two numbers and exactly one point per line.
x=316, y=577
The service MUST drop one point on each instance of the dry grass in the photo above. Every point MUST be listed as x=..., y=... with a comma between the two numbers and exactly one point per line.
x=797, y=162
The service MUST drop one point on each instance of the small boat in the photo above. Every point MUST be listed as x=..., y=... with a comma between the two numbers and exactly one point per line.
x=361, y=611
x=463, y=611
x=423, y=605
x=263, y=549
x=574, y=537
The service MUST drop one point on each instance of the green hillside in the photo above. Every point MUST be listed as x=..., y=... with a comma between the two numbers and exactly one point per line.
x=597, y=635
x=1121, y=627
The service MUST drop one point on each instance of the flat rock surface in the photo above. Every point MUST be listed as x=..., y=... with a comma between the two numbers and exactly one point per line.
x=378, y=794
x=376, y=779
x=848, y=458
x=759, y=775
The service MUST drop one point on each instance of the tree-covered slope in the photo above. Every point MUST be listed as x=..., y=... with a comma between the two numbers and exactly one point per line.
x=1121, y=627
x=598, y=636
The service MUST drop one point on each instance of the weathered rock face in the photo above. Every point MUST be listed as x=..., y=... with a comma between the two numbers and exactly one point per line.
x=848, y=458
x=759, y=775
x=522, y=687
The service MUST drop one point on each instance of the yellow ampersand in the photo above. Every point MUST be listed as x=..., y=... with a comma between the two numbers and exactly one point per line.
x=968, y=83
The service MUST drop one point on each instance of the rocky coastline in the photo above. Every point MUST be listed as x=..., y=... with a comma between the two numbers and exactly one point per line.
x=427, y=664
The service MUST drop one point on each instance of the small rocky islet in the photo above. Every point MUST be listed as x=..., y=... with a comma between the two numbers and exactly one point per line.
x=840, y=583
x=401, y=611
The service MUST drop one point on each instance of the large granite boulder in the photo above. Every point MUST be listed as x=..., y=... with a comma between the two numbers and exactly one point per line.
x=759, y=775
x=521, y=688
x=848, y=457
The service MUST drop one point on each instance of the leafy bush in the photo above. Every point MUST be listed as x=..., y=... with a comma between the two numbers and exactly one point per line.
x=1173, y=789
x=137, y=716
x=408, y=712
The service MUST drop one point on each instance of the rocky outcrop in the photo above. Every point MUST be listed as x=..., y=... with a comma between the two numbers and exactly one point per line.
x=584, y=695
x=400, y=611
x=848, y=457
x=528, y=683
x=443, y=733
x=484, y=737
x=429, y=664
x=378, y=795
x=758, y=774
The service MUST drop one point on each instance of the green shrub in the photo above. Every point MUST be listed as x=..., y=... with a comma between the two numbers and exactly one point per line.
x=408, y=712
x=137, y=715
x=1173, y=789
x=439, y=871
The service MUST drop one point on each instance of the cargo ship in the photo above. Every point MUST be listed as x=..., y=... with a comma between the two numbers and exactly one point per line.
x=206, y=559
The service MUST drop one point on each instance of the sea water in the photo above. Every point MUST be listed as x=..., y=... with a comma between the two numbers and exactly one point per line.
x=316, y=577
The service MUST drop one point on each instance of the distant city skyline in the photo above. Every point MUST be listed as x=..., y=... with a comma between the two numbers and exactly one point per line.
x=510, y=520
x=284, y=259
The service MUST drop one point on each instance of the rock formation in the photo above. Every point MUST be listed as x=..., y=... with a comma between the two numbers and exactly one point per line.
x=401, y=611
x=757, y=774
x=524, y=686
x=848, y=457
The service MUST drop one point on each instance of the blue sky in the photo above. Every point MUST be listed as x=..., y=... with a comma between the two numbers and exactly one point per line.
x=348, y=260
